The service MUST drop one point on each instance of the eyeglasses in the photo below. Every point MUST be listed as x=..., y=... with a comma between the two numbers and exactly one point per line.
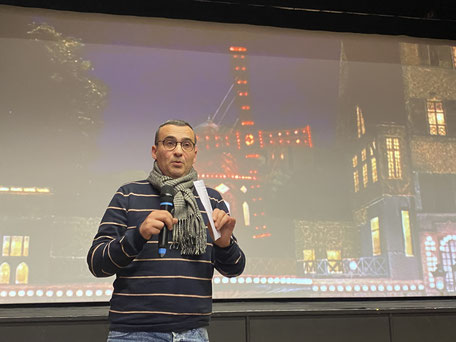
x=170, y=144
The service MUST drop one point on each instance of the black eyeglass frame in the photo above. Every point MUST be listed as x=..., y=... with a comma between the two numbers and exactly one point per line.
x=175, y=142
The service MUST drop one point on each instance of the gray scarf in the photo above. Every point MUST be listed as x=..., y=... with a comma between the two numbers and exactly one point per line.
x=189, y=234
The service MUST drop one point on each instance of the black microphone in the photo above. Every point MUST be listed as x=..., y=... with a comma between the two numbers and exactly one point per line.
x=166, y=203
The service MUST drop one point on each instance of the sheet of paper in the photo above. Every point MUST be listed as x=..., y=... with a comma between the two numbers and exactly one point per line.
x=204, y=197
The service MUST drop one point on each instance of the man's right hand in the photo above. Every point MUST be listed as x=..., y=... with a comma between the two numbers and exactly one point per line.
x=155, y=222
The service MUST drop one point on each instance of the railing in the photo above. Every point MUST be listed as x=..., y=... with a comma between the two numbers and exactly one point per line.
x=346, y=268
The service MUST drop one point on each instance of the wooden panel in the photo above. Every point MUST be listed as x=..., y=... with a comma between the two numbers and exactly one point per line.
x=227, y=330
x=320, y=329
x=423, y=328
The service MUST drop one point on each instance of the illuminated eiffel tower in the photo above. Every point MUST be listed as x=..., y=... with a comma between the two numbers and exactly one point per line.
x=245, y=155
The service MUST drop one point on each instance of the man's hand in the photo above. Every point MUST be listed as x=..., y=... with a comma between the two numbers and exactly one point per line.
x=155, y=222
x=224, y=223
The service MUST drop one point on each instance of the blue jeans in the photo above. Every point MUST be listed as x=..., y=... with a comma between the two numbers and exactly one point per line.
x=194, y=335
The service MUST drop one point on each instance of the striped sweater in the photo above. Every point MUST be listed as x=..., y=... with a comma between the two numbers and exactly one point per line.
x=173, y=293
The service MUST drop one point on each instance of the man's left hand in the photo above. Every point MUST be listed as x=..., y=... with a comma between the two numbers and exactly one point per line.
x=224, y=223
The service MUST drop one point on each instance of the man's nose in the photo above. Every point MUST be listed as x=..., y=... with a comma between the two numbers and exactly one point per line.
x=178, y=149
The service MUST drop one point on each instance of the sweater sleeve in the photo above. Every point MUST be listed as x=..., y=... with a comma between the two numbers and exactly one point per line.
x=229, y=261
x=115, y=245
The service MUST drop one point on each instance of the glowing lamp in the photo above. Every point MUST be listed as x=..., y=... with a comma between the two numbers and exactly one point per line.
x=249, y=139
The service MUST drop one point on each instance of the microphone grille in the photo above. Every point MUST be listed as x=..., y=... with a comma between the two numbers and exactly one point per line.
x=167, y=192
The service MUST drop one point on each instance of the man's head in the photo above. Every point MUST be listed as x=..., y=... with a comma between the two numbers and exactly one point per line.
x=175, y=148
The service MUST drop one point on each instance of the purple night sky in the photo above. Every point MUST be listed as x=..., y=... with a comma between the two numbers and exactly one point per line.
x=148, y=85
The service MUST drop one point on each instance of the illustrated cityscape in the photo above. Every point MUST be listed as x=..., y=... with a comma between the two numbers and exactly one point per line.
x=383, y=224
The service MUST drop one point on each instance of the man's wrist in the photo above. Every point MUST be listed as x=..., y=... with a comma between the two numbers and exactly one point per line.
x=230, y=243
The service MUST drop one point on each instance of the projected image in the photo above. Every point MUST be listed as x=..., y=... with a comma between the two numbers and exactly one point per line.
x=335, y=153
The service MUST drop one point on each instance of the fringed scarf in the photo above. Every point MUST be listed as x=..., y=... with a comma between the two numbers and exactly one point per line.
x=189, y=234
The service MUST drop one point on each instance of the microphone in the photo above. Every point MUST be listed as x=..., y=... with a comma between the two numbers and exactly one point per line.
x=166, y=203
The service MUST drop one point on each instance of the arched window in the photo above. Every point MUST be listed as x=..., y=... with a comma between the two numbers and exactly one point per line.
x=4, y=273
x=22, y=272
x=448, y=257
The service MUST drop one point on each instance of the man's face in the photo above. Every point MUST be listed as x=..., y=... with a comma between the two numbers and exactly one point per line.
x=175, y=163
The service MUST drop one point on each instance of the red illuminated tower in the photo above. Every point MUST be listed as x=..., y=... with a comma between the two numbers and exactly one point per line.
x=241, y=84
x=246, y=157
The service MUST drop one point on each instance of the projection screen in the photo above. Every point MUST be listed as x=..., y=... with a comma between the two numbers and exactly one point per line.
x=336, y=152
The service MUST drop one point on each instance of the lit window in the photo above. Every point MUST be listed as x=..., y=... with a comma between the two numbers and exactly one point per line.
x=16, y=246
x=394, y=158
x=374, y=170
x=4, y=273
x=375, y=234
x=246, y=211
x=406, y=231
x=363, y=154
x=309, y=260
x=6, y=245
x=355, y=161
x=448, y=255
x=22, y=272
x=365, y=178
x=222, y=188
x=360, y=122
x=356, y=180
x=334, y=261
x=25, y=252
x=436, y=118
x=308, y=254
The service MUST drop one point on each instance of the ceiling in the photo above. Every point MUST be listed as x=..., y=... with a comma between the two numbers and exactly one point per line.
x=434, y=19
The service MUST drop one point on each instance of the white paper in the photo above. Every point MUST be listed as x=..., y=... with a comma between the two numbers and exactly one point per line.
x=228, y=206
x=204, y=197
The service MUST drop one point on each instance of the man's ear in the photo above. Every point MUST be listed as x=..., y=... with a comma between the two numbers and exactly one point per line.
x=154, y=152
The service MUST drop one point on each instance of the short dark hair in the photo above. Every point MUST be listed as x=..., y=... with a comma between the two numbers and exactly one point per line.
x=175, y=123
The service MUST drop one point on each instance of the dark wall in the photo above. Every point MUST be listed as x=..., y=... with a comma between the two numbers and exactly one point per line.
x=373, y=321
x=432, y=19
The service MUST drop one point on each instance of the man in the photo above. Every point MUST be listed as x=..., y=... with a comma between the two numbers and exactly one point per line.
x=164, y=298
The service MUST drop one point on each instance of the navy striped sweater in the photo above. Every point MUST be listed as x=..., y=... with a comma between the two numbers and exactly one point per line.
x=173, y=293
